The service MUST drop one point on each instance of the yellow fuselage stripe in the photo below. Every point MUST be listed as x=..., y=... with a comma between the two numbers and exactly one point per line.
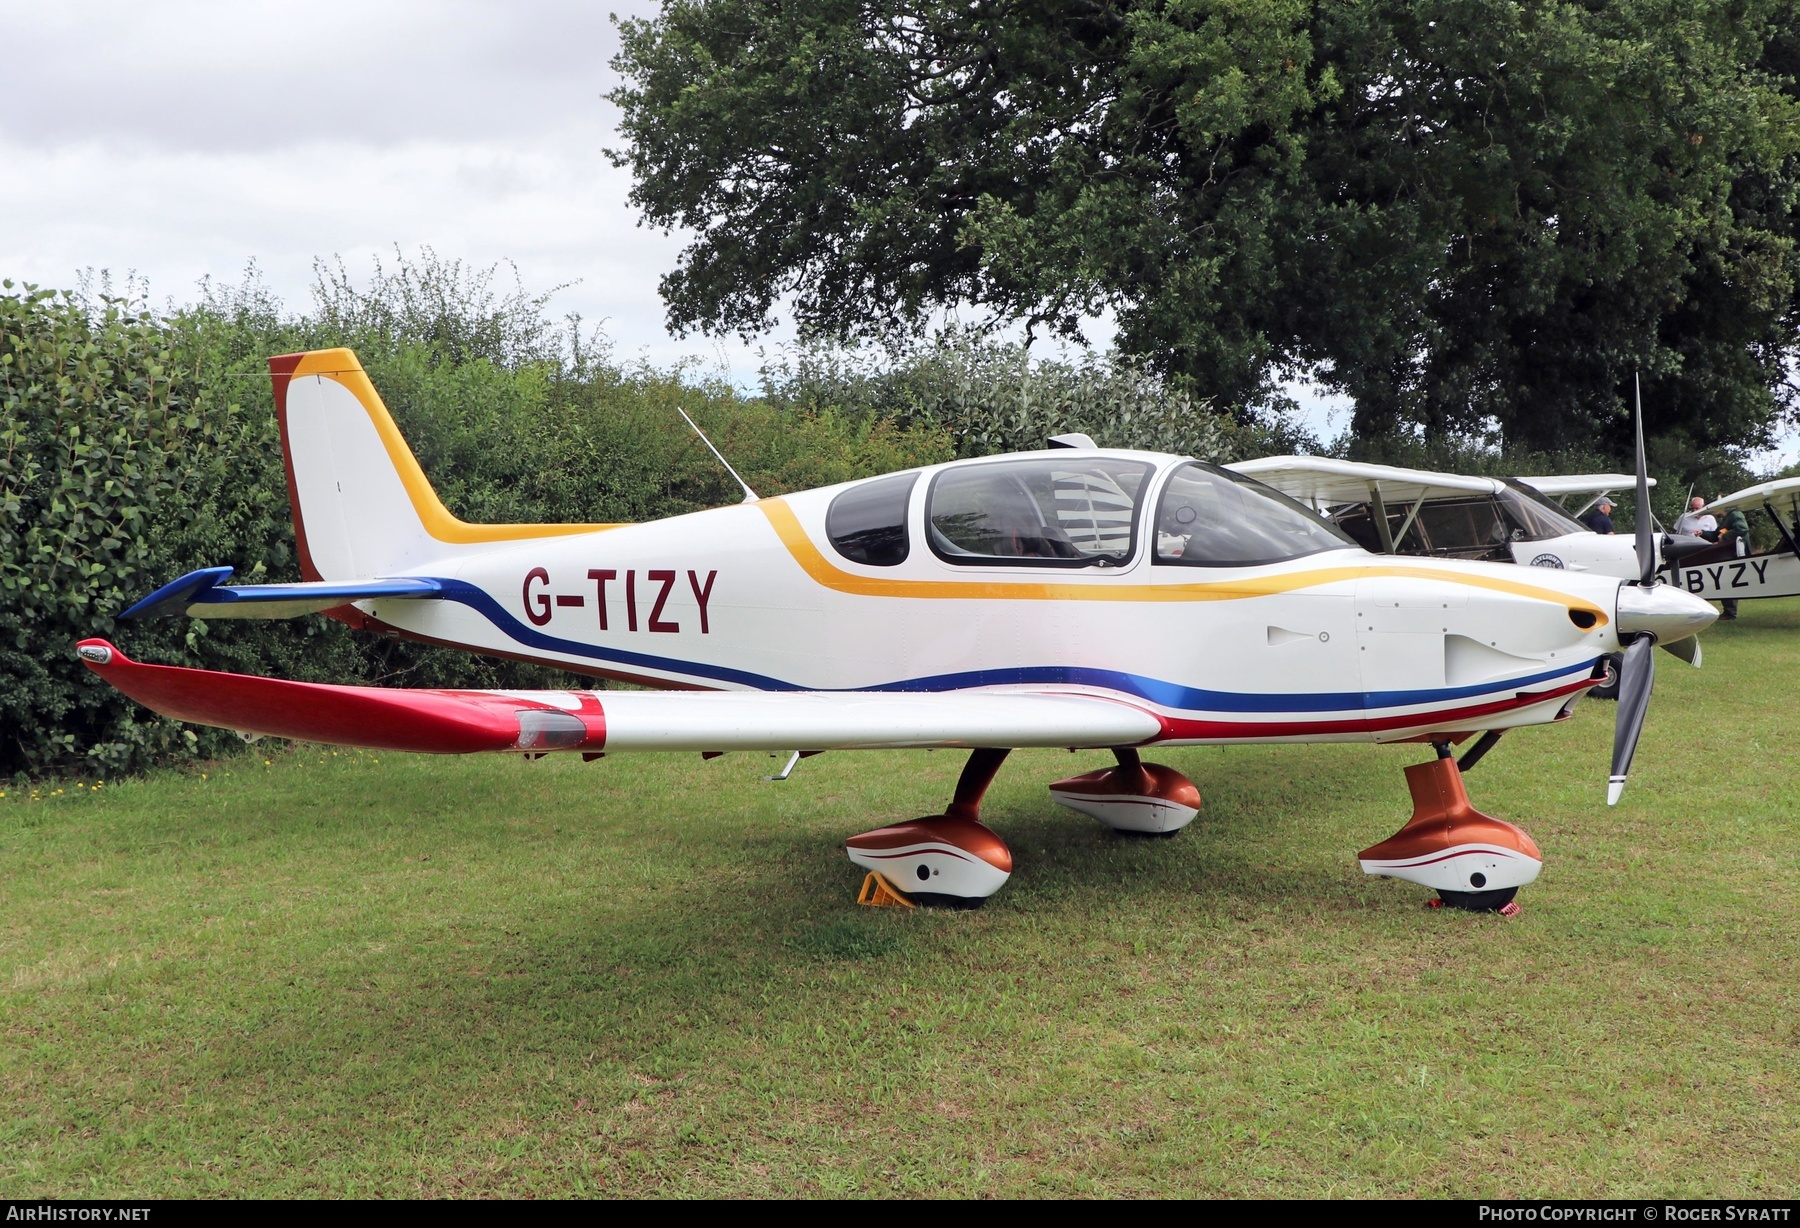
x=787, y=528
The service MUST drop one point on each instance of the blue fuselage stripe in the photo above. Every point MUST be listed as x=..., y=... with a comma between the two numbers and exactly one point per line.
x=1169, y=695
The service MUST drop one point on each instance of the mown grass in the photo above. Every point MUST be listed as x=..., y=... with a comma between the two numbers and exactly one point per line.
x=380, y=974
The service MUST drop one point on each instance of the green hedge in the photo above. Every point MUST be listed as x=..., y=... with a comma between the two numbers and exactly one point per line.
x=117, y=473
x=135, y=447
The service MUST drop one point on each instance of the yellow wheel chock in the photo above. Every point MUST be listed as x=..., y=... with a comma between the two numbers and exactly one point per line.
x=877, y=892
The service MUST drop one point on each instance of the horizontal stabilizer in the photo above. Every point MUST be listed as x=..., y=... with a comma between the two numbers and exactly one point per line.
x=204, y=594
x=457, y=722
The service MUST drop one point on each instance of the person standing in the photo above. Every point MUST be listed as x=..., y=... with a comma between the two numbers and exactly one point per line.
x=1736, y=532
x=1696, y=523
x=1600, y=519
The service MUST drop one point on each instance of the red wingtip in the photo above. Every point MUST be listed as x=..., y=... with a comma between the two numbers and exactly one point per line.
x=433, y=722
x=97, y=654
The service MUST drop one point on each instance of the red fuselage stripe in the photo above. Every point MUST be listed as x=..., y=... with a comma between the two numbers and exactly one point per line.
x=1176, y=728
x=1432, y=861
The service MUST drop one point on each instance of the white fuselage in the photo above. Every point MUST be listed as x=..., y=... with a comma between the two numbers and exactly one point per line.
x=1340, y=645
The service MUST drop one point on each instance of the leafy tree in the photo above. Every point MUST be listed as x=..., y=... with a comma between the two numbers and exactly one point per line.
x=994, y=397
x=1470, y=215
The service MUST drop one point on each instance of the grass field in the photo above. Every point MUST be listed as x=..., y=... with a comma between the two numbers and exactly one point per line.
x=388, y=975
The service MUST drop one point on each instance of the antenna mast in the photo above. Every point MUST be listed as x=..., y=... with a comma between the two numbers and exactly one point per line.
x=750, y=496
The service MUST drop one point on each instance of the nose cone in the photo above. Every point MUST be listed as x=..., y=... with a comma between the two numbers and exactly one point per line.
x=1666, y=614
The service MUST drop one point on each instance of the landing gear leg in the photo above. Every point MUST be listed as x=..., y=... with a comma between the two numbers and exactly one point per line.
x=947, y=859
x=1473, y=861
x=1137, y=798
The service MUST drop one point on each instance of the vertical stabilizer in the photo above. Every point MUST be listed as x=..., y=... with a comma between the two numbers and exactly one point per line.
x=362, y=506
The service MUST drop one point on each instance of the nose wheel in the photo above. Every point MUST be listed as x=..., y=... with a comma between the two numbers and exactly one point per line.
x=1472, y=860
x=1134, y=798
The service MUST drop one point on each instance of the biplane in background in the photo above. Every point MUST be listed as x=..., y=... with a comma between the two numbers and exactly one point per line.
x=1079, y=597
x=1391, y=510
x=1729, y=570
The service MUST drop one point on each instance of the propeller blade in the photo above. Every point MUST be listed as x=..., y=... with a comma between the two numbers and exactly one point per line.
x=1637, y=678
x=1646, y=542
x=1688, y=650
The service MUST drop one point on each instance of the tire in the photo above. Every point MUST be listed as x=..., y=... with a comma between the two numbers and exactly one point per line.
x=1615, y=661
x=1479, y=901
x=956, y=903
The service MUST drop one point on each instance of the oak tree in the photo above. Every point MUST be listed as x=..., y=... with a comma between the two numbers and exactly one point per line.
x=1467, y=214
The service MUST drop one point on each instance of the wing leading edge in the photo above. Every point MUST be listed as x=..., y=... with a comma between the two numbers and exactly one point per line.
x=461, y=722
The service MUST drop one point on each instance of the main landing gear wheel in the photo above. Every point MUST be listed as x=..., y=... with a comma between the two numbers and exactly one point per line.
x=1478, y=901
x=956, y=903
x=948, y=860
x=1134, y=798
x=1472, y=860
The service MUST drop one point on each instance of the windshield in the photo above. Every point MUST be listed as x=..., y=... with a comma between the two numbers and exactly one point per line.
x=1080, y=512
x=1211, y=517
x=1534, y=517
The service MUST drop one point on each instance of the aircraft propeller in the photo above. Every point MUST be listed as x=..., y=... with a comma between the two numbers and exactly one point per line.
x=1651, y=615
x=1646, y=544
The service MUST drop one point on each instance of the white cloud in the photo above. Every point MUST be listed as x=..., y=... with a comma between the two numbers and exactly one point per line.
x=277, y=72
x=184, y=140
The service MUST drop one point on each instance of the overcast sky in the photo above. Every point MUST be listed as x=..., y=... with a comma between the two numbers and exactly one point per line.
x=180, y=139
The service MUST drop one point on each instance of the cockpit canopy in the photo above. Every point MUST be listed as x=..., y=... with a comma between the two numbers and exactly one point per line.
x=1078, y=511
x=1212, y=517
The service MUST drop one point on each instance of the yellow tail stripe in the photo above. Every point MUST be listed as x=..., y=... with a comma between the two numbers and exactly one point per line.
x=342, y=366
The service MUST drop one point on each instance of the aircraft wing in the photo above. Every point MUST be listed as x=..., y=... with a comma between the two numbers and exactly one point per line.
x=1323, y=482
x=460, y=722
x=1783, y=493
x=1582, y=483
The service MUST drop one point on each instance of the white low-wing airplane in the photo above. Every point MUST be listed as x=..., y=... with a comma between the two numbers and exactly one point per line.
x=1728, y=569
x=1078, y=597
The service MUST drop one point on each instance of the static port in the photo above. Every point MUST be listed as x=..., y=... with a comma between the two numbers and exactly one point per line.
x=1585, y=619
